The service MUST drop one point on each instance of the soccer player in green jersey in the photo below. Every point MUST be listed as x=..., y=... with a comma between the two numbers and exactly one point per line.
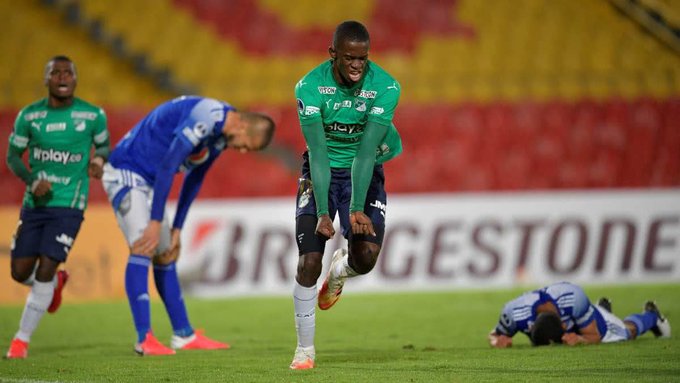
x=59, y=132
x=345, y=107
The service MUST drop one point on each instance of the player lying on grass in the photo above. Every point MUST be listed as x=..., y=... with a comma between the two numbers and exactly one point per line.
x=562, y=313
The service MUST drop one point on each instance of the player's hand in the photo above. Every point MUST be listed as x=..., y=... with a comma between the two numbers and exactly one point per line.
x=324, y=226
x=499, y=340
x=41, y=187
x=571, y=338
x=361, y=224
x=146, y=245
x=172, y=253
x=96, y=168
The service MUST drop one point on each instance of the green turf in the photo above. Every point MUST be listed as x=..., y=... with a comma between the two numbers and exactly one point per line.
x=417, y=337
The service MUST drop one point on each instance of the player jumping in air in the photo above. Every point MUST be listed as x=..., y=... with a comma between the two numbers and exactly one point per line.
x=345, y=107
x=59, y=132
x=186, y=134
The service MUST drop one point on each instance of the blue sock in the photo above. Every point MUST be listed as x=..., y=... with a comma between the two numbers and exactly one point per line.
x=167, y=284
x=643, y=322
x=137, y=289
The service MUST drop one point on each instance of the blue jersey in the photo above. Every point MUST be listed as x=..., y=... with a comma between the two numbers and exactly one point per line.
x=573, y=305
x=184, y=134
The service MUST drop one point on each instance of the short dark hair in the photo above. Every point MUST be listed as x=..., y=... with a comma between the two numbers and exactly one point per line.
x=351, y=31
x=547, y=329
x=261, y=122
x=56, y=58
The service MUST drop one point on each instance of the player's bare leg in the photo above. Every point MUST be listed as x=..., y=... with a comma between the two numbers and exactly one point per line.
x=343, y=266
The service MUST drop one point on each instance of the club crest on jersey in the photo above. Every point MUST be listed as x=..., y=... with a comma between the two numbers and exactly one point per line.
x=361, y=105
x=80, y=125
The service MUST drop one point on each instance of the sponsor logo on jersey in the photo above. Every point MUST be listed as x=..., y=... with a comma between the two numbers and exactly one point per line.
x=361, y=105
x=84, y=115
x=195, y=159
x=327, y=89
x=343, y=104
x=55, y=127
x=35, y=115
x=59, y=156
x=377, y=110
x=312, y=110
x=366, y=93
x=344, y=128
x=53, y=178
x=36, y=125
x=393, y=86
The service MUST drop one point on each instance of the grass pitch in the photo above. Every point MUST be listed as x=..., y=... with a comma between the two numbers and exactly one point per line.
x=415, y=337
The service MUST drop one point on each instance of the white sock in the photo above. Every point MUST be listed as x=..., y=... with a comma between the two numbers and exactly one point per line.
x=343, y=270
x=38, y=301
x=31, y=278
x=304, y=299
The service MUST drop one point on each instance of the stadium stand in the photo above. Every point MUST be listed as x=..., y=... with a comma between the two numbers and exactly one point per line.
x=497, y=95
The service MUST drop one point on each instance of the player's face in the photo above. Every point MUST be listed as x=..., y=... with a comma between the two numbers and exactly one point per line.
x=244, y=142
x=61, y=79
x=349, y=61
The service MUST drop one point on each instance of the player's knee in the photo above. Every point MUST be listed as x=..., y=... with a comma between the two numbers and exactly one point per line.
x=21, y=271
x=363, y=257
x=47, y=269
x=309, y=268
x=19, y=275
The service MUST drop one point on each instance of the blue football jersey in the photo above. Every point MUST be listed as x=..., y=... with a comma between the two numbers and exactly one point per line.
x=573, y=305
x=196, y=120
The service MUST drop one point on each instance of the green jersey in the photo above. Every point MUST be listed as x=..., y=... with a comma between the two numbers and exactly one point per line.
x=344, y=112
x=59, y=142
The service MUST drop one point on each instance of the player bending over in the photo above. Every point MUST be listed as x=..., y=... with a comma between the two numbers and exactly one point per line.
x=186, y=134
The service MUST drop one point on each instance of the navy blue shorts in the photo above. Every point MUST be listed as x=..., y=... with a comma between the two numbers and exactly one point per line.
x=48, y=231
x=339, y=196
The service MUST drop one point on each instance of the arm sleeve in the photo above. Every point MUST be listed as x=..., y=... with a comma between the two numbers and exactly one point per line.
x=178, y=151
x=18, y=142
x=17, y=166
x=190, y=187
x=101, y=137
x=319, y=163
x=364, y=161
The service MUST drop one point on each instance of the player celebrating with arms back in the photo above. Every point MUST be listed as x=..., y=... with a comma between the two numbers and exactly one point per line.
x=345, y=106
x=59, y=132
x=185, y=134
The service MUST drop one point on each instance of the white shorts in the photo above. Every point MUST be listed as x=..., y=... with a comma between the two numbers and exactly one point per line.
x=616, y=329
x=133, y=198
